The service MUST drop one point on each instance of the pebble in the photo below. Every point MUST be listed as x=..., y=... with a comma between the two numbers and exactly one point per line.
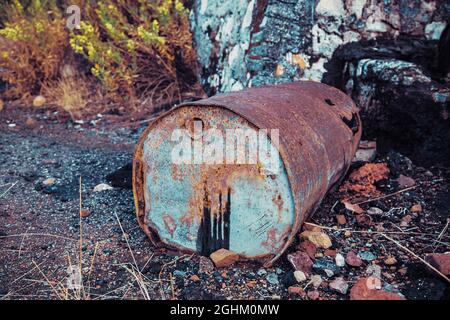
x=327, y=265
x=272, y=278
x=102, y=187
x=313, y=295
x=353, y=260
x=347, y=234
x=320, y=239
x=405, y=182
x=390, y=261
x=38, y=101
x=48, y=182
x=340, y=260
x=374, y=211
x=316, y=280
x=295, y=290
x=261, y=272
x=195, y=278
x=367, y=256
x=416, y=208
x=84, y=213
x=299, y=276
x=179, y=273
x=340, y=218
x=223, y=257
x=300, y=261
x=339, y=285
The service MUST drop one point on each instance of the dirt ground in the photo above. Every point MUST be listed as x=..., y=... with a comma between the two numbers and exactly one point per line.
x=40, y=226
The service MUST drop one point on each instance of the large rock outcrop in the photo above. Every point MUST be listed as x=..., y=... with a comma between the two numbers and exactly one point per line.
x=254, y=42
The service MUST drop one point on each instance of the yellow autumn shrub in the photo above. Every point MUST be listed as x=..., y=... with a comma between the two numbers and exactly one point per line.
x=133, y=48
x=32, y=46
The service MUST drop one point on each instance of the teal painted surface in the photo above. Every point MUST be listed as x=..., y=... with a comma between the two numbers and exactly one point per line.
x=261, y=206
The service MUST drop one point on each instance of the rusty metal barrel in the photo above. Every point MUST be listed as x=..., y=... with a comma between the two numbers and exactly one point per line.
x=189, y=202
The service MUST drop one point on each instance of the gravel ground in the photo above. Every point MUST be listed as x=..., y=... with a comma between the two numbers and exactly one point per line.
x=40, y=226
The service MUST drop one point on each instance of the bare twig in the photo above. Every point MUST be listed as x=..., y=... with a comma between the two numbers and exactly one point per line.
x=416, y=256
x=7, y=190
x=437, y=241
x=386, y=196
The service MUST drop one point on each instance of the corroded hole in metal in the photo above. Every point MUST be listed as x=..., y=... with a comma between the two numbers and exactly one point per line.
x=214, y=230
x=191, y=129
x=353, y=123
x=329, y=102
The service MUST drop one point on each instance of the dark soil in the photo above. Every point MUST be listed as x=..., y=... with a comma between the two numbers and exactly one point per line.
x=40, y=225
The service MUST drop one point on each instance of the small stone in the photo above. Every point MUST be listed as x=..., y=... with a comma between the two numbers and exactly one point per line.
x=300, y=261
x=441, y=261
x=417, y=208
x=299, y=276
x=405, y=220
x=84, y=213
x=102, y=187
x=363, y=220
x=313, y=295
x=1, y=105
x=38, y=101
x=339, y=285
x=316, y=280
x=295, y=290
x=329, y=253
x=195, y=278
x=205, y=265
x=347, y=234
x=353, y=260
x=390, y=261
x=179, y=273
x=48, y=182
x=320, y=239
x=272, y=278
x=261, y=272
x=326, y=265
x=374, y=211
x=308, y=247
x=340, y=218
x=224, y=257
x=405, y=182
x=340, y=260
x=367, y=256
x=361, y=291
x=279, y=70
x=30, y=122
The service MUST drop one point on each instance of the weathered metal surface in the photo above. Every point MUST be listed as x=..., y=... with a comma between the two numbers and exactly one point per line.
x=241, y=207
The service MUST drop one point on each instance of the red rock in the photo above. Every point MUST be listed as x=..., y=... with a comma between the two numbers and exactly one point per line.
x=339, y=285
x=353, y=260
x=405, y=182
x=224, y=257
x=340, y=218
x=295, y=290
x=195, y=278
x=308, y=247
x=84, y=213
x=300, y=261
x=313, y=295
x=360, y=291
x=363, y=220
x=330, y=253
x=440, y=261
